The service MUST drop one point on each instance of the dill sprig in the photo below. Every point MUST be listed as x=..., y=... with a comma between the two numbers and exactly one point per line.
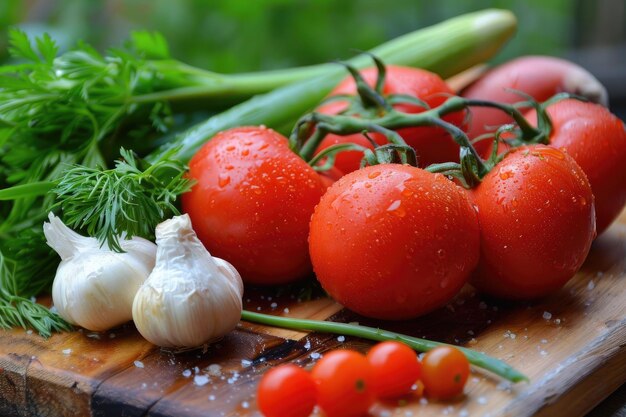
x=130, y=199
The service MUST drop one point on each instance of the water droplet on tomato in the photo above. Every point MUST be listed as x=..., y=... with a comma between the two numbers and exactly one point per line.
x=441, y=253
x=256, y=189
x=223, y=180
x=505, y=175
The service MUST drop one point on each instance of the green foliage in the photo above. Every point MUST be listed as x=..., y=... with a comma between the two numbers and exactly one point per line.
x=130, y=199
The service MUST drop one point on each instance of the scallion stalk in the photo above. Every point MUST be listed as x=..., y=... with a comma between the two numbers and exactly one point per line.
x=478, y=359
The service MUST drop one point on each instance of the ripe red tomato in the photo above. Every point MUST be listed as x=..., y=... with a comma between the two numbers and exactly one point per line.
x=596, y=139
x=444, y=372
x=393, y=241
x=537, y=222
x=286, y=391
x=396, y=368
x=344, y=380
x=432, y=144
x=541, y=77
x=252, y=203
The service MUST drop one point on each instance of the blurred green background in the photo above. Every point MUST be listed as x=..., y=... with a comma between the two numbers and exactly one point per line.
x=248, y=35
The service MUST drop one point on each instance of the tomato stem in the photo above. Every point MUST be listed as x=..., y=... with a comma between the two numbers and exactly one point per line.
x=481, y=360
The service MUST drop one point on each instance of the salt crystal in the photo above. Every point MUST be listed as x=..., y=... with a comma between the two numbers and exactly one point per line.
x=557, y=321
x=269, y=298
x=258, y=309
x=472, y=341
x=245, y=404
x=463, y=413
x=211, y=397
x=408, y=413
x=286, y=311
x=547, y=315
x=512, y=335
x=29, y=331
x=482, y=400
x=196, y=370
x=341, y=339
x=543, y=353
x=544, y=341
x=187, y=373
x=144, y=385
x=214, y=370
x=385, y=413
x=274, y=305
x=245, y=363
x=307, y=345
x=93, y=336
x=139, y=364
x=53, y=309
x=200, y=380
x=423, y=401
x=599, y=274
x=111, y=335
x=315, y=355
x=67, y=351
x=470, y=332
x=591, y=285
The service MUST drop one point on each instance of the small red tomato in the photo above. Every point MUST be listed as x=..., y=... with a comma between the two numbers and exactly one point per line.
x=344, y=384
x=596, y=139
x=396, y=368
x=286, y=391
x=393, y=241
x=537, y=222
x=252, y=203
x=432, y=144
x=444, y=372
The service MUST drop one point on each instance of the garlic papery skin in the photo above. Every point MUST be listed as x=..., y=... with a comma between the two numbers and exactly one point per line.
x=94, y=287
x=190, y=298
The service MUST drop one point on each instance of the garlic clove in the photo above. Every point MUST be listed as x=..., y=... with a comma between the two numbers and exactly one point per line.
x=94, y=287
x=190, y=298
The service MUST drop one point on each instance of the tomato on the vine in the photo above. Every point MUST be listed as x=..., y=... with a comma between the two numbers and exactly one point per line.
x=445, y=370
x=432, y=144
x=286, y=391
x=596, y=139
x=344, y=383
x=537, y=222
x=393, y=241
x=252, y=202
x=395, y=367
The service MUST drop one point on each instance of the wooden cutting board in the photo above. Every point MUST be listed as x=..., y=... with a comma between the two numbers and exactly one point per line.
x=572, y=346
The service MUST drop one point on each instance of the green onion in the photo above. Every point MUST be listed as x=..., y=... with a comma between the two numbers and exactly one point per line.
x=481, y=360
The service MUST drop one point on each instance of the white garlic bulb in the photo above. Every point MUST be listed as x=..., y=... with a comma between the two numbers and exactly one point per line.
x=94, y=287
x=190, y=298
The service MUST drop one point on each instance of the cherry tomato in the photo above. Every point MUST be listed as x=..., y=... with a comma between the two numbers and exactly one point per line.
x=537, y=222
x=286, y=391
x=596, y=139
x=393, y=241
x=344, y=380
x=444, y=372
x=252, y=203
x=432, y=144
x=395, y=367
